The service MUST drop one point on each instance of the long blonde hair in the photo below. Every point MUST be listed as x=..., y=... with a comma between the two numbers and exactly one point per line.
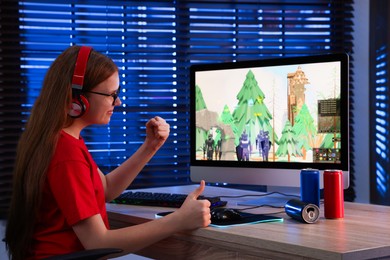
x=38, y=142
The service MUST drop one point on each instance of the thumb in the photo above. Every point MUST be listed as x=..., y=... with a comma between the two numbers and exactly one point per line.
x=195, y=194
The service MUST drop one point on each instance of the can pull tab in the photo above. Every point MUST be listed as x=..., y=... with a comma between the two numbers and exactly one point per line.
x=311, y=213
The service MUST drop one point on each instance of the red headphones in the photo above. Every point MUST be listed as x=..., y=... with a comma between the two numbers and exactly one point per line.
x=79, y=102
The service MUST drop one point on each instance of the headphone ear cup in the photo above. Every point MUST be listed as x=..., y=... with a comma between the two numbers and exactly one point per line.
x=85, y=103
x=78, y=107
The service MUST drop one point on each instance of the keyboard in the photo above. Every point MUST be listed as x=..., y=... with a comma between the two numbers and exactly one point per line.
x=161, y=199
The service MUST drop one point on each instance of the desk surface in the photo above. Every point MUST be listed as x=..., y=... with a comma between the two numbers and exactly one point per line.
x=364, y=233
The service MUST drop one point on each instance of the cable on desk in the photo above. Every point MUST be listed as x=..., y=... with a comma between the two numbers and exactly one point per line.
x=265, y=205
x=259, y=195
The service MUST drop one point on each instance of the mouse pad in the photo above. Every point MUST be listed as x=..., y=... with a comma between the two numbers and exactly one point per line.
x=247, y=218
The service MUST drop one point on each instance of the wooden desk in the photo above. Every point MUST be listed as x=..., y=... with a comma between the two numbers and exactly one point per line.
x=364, y=233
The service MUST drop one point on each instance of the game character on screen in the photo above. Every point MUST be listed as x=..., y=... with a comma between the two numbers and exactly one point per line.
x=209, y=143
x=243, y=150
x=218, y=150
x=263, y=143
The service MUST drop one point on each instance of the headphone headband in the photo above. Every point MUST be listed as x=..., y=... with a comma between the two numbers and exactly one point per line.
x=80, y=67
x=79, y=103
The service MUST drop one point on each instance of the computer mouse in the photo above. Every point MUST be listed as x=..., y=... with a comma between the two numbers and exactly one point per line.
x=225, y=214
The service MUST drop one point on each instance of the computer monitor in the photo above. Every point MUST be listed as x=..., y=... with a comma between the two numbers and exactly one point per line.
x=261, y=122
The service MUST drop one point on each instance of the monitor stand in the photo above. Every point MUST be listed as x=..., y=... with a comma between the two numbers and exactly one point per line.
x=275, y=199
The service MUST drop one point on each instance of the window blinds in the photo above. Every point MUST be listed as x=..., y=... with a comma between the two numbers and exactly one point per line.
x=153, y=43
x=379, y=103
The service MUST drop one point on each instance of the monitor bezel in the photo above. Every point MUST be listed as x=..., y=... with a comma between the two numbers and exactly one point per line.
x=203, y=169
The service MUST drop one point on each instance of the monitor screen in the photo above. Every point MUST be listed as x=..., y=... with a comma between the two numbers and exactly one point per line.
x=262, y=121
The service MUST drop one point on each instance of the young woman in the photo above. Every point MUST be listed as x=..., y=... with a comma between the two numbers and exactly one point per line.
x=59, y=193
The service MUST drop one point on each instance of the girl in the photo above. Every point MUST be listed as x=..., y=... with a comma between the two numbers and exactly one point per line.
x=59, y=194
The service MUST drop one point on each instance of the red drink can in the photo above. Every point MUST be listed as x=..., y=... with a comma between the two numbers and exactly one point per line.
x=333, y=194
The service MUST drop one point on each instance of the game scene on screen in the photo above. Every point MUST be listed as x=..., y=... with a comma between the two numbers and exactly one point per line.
x=269, y=114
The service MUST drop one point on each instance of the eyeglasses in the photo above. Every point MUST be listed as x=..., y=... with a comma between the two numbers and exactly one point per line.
x=113, y=95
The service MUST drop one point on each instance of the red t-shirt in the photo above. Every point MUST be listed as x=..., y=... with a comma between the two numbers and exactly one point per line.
x=73, y=191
